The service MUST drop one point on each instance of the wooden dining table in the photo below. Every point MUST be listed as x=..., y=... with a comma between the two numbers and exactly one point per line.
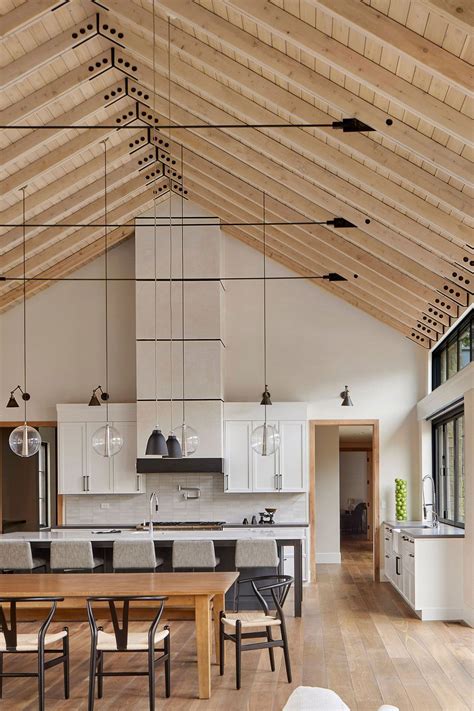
x=203, y=592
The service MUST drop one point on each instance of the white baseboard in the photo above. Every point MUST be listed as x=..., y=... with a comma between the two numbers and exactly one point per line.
x=328, y=558
x=439, y=613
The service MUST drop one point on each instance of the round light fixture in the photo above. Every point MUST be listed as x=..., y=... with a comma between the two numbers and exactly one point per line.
x=25, y=441
x=265, y=439
x=107, y=441
x=188, y=439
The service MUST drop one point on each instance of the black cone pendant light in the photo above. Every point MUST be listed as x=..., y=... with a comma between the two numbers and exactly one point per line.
x=24, y=440
x=346, y=398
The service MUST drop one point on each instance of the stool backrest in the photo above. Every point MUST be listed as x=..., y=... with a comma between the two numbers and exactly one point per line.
x=71, y=555
x=256, y=553
x=8, y=619
x=194, y=554
x=120, y=618
x=15, y=555
x=134, y=554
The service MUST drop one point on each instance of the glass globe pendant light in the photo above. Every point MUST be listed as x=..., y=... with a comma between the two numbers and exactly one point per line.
x=24, y=441
x=186, y=435
x=107, y=440
x=265, y=439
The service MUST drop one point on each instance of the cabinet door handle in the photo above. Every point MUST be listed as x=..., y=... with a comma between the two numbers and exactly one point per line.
x=88, y=482
x=397, y=561
x=412, y=555
x=84, y=482
x=276, y=481
x=281, y=482
x=226, y=482
x=138, y=482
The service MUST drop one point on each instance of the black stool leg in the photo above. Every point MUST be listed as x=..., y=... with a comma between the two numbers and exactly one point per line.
x=1, y=674
x=151, y=676
x=270, y=649
x=222, y=645
x=238, y=653
x=100, y=678
x=92, y=669
x=168, y=664
x=66, y=663
x=41, y=678
x=286, y=652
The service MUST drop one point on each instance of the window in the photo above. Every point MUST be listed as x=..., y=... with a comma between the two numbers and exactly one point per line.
x=454, y=353
x=448, y=461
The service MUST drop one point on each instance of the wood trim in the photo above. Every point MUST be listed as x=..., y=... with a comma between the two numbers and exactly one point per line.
x=375, y=488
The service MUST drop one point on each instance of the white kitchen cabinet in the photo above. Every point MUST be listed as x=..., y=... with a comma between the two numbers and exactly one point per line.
x=238, y=460
x=72, y=466
x=81, y=470
x=248, y=471
x=427, y=572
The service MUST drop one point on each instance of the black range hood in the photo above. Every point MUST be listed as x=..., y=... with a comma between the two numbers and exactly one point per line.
x=186, y=465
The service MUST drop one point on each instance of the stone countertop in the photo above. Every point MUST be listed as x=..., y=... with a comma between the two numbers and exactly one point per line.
x=414, y=530
x=132, y=526
x=106, y=535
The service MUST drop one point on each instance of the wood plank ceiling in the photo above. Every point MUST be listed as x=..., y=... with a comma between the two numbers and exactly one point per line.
x=401, y=66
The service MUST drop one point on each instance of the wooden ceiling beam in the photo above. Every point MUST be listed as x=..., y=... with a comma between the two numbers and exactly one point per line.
x=297, y=243
x=456, y=12
x=298, y=110
x=389, y=33
x=65, y=152
x=46, y=245
x=26, y=14
x=326, y=241
x=361, y=69
x=46, y=52
x=57, y=189
x=275, y=159
x=79, y=113
x=290, y=70
x=67, y=81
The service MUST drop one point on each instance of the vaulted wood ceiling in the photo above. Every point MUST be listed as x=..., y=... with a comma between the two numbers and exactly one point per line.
x=401, y=66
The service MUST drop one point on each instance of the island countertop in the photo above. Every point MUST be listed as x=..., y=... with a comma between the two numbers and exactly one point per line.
x=108, y=535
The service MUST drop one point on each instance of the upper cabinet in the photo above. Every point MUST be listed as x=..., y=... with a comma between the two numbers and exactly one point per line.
x=81, y=470
x=246, y=471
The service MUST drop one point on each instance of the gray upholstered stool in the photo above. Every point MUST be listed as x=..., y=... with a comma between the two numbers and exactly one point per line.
x=69, y=556
x=135, y=555
x=194, y=555
x=16, y=556
x=254, y=553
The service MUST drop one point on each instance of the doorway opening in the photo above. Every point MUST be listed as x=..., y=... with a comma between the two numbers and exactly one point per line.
x=344, y=493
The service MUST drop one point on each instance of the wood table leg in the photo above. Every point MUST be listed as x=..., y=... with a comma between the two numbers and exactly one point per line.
x=219, y=606
x=203, y=644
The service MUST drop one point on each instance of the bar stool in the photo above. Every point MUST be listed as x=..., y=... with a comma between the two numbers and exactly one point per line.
x=251, y=553
x=135, y=555
x=16, y=557
x=39, y=643
x=71, y=556
x=194, y=555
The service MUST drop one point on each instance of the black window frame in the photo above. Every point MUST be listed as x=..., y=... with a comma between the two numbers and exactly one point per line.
x=453, y=415
x=454, y=337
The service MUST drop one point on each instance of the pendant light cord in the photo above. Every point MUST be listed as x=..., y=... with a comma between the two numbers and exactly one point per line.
x=264, y=300
x=23, y=190
x=182, y=278
x=171, y=231
x=106, y=275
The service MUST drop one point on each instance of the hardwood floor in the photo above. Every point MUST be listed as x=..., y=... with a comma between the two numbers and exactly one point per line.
x=356, y=637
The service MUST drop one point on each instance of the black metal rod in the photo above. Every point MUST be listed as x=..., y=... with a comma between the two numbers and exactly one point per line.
x=175, y=279
x=177, y=224
x=172, y=127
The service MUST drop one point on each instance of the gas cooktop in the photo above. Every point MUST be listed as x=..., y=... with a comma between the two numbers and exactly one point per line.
x=186, y=525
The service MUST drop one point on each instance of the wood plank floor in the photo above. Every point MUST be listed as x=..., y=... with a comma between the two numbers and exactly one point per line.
x=356, y=637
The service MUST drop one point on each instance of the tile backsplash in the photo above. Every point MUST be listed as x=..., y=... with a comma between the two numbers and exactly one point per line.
x=213, y=505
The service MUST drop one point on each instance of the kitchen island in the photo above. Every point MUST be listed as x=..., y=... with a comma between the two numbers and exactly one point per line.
x=224, y=540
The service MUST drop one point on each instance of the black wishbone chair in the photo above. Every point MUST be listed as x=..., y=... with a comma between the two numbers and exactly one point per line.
x=12, y=642
x=248, y=625
x=121, y=640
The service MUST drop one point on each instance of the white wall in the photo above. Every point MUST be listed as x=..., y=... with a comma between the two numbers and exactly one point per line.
x=66, y=340
x=317, y=343
x=327, y=533
x=352, y=477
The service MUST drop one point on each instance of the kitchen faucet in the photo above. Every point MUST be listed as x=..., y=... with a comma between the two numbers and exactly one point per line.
x=154, y=506
x=434, y=515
